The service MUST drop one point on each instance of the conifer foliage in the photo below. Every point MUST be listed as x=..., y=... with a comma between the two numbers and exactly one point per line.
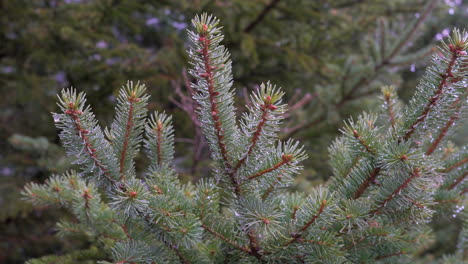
x=392, y=171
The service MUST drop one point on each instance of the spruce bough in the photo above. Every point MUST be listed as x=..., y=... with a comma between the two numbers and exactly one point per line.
x=392, y=171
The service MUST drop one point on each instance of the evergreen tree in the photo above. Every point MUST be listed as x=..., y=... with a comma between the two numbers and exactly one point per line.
x=52, y=44
x=392, y=171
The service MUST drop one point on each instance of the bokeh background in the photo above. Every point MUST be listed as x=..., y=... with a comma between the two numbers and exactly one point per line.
x=325, y=55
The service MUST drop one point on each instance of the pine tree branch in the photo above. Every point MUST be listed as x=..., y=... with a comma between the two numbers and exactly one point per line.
x=353, y=165
x=189, y=105
x=456, y=165
x=448, y=201
x=209, y=78
x=364, y=80
x=305, y=125
x=125, y=261
x=225, y=239
x=255, y=136
x=128, y=130
x=414, y=174
x=457, y=181
x=445, y=128
x=179, y=254
x=390, y=255
x=285, y=159
x=314, y=218
x=437, y=94
x=301, y=240
x=272, y=187
x=86, y=196
x=208, y=75
x=254, y=247
x=363, y=187
x=391, y=114
x=82, y=133
x=125, y=229
x=363, y=142
x=261, y=16
x=409, y=35
x=159, y=128
x=295, y=236
x=294, y=213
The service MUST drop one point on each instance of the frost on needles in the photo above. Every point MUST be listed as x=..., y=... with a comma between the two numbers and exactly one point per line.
x=392, y=171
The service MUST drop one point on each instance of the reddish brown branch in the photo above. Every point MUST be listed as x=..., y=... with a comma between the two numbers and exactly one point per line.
x=353, y=165
x=189, y=105
x=255, y=137
x=414, y=174
x=457, y=181
x=285, y=159
x=293, y=216
x=366, y=183
x=391, y=114
x=209, y=78
x=444, y=130
x=434, y=99
x=305, y=125
x=86, y=197
x=456, y=165
x=125, y=229
x=159, y=128
x=305, y=99
x=225, y=239
x=314, y=242
x=272, y=187
x=128, y=131
x=363, y=142
x=82, y=133
x=314, y=218
x=295, y=237
x=448, y=201
x=208, y=75
x=179, y=254
x=254, y=247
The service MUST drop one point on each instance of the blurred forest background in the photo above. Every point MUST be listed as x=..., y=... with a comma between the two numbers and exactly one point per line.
x=325, y=54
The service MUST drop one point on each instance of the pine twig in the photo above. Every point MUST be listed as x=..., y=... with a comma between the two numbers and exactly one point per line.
x=285, y=159
x=82, y=133
x=295, y=236
x=414, y=174
x=272, y=187
x=269, y=7
x=366, y=80
x=227, y=240
x=437, y=94
x=390, y=255
x=363, y=142
x=456, y=165
x=128, y=130
x=364, y=185
x=445, y=128
x=391, y=113
x=457, y=181
x=209, y=77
